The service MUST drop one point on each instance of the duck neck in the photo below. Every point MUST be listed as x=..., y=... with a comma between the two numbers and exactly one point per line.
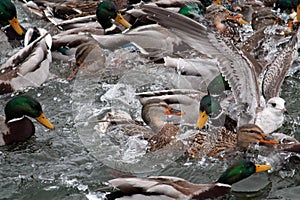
x=113, y=29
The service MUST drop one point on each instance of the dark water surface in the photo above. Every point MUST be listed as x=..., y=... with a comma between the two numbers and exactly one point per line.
x=75, y=159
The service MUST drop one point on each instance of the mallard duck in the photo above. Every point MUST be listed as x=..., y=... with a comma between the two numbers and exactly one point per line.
x=69, y=15
x=30, y=65
x=153, y=112
x=220, y=139
x=9, y=22
x=67, y=41
x=233, y=64
x=90, y=60
x=16, y=126
x=168, y=187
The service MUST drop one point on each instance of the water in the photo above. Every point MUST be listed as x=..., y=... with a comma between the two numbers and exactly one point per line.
x=75, y=159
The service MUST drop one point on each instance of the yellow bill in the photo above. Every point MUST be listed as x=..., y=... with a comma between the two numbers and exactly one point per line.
x=203, y=117
x=119, y=18
x=262, y=168
x=44, y=121
x=16, y=26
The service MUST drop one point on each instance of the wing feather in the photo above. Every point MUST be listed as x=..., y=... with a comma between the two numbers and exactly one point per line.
x=275, y=73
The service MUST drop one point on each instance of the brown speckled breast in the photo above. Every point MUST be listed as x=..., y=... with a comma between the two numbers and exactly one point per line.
x=210, y=144
x=165, y=137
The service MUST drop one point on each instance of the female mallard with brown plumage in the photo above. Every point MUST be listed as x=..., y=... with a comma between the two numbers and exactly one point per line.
x=168, y=187
x=160, y=134
x=30, y=65
x=218, y=140
x=16, y=126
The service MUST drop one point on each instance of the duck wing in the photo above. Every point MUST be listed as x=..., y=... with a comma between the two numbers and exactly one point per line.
x=174, y=96
x=168, y=186
x=275, y=72
x=234, y=66
x=29, y=66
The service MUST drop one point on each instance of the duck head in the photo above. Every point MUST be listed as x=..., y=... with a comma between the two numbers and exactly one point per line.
x=251, y=133
x=26, y=106
x=208, y=106
x=8, y=15
x=152, y=112
x=241, y=170
x=108, y=11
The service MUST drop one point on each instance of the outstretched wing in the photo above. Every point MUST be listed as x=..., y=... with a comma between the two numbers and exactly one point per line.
x=232, y=64
x=276, y=71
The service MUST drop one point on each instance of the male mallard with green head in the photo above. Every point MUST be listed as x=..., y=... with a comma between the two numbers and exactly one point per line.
x=168, y=187
x=8, y=16
x=69, y=15
x=107, y=11
x=67, y=41
x=16, y=126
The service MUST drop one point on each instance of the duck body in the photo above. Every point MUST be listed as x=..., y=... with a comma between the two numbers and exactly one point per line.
x=162, y=42
x=10, y=130
x=30, y=65
x=16, y=126
x=169, y=187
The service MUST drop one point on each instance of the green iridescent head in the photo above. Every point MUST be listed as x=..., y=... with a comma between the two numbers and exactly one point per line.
x=108, y=11
x=8, y=15
x=21, y=106
x=7, y=12
x=241, y=170
x=209, y=105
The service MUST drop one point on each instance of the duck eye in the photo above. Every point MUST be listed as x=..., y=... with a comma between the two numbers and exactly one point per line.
x=273, y=104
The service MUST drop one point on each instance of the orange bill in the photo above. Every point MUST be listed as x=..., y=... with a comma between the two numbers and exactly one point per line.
x=44, y=121
x=237, y=18
x=262, y=168
x=172, y=111
x=203, y=117
x=269, y=142
x=16, y=26
x=119, y=18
